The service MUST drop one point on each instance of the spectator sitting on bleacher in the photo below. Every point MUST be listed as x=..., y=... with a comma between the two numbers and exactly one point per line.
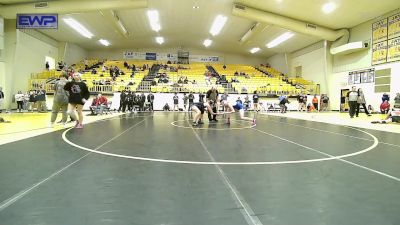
x=126, y=64
x=236, y=73
x=94, y=71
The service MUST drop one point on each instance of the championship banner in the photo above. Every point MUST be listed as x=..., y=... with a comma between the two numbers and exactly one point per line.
x=379, y=53
x=134, y=55
x=380, y=31
x=394, y=26
x=393, y=52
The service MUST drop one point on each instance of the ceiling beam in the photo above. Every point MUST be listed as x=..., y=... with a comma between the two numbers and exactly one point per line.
x=288, y=23
x=69, y=6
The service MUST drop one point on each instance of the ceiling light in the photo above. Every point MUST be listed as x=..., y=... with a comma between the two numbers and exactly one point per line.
x=283, y=37
x=196, y=7
x=254, y=50
x=329, y=7
x=154, y=20
x=207, y=42
x=160, y=40
x=104, y=42
x=217, y=25
x=78, y=27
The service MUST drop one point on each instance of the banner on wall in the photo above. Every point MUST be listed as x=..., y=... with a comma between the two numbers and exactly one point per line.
x=130, y=55
x=203, y=58
x=393, y=52
x=134, y=55
x=394, y=26
x=380, y=31
x=151, y=56
x=379, y=53
x=361, y=76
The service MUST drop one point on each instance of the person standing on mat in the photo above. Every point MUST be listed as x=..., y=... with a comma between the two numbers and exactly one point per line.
x=150, y=99
x=122, y=100
x=352, y=97
x=60, y=101
x=185, y=101
x=191, y=100
x=201, y=97
x=212, y=95
x=255, y=101
x=78, y=95
x=176, y=102
x=1, y=99
x=361, y=101
x=315, y=102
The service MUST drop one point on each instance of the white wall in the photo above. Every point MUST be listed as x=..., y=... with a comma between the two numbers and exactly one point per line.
x=279, y=62
x=24, y=54
x=74, y=53
x=314, y=66
x=343, y=64
x=226, y=58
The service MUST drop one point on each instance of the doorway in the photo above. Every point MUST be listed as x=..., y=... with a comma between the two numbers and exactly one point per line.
x=344, y=106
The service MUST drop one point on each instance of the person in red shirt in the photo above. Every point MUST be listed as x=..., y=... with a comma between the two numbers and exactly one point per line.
x=385, y=107
x=101, y=103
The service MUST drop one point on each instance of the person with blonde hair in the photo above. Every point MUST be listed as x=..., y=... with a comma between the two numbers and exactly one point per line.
x=78, y=95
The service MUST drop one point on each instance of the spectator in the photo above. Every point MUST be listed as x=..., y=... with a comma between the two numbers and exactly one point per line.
x=32, y=100
x=385, y=97
x=191, y=100
x=361, y=101
x=310, y=107
x=185, y=101
x=283, y=100
x=385, y=107
x=315, y=102
x=1, y=99
x=176, y=101
x=122, y=101
x=302, y=103
x=19, y=98
x=393, y=116
x=201, y=97
x=397, y=101
x=47, y=66
x=324, y=102
x=166, y=107
x=93, y=106
x=41, y=100
x=150, y=100
x=142, y=101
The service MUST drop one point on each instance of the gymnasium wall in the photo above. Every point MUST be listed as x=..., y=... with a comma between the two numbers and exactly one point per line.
x=313, y=63
x=227, y=58
x=74, y=53
x=279, y=62
x=342, y=65
x=24, y=54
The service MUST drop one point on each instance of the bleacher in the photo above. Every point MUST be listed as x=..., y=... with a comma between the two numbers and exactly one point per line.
x=249, y=79
x=240, y=79
x=193, y=72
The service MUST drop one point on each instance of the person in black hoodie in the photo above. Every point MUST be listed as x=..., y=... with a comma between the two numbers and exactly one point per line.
x=150, y=99
x=78, y=95
x=122, y=101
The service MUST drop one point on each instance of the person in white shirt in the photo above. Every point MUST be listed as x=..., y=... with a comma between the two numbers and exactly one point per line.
x=19, y=98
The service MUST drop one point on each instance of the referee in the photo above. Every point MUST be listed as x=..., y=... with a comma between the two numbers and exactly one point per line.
x=212, y=95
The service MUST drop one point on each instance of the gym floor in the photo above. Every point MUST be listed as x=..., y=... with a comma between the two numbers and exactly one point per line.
x=155, y=168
